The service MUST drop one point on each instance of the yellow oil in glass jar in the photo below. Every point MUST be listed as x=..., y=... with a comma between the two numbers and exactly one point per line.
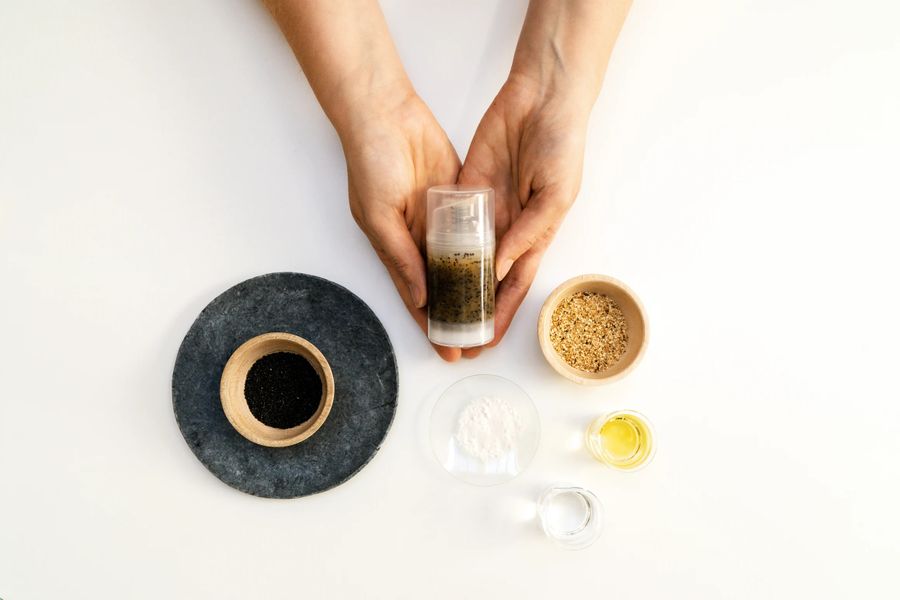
x=623, y=440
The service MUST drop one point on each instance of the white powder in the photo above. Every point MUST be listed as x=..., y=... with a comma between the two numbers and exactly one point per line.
x=488, y=428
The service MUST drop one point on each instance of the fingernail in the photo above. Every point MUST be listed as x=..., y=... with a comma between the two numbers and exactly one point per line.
x=503, y=269
x=416, y=297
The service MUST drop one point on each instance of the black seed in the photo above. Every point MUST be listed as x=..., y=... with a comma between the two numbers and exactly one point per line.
x=460, y=287
x=283, y=390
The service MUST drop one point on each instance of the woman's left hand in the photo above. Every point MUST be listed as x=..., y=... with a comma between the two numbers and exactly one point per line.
x=529, y=147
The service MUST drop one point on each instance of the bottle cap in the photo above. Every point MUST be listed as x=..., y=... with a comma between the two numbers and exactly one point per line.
x=460, y=215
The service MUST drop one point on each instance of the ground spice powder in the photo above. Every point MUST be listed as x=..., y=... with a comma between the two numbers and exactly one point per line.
x=283, y=390
x=589, y=331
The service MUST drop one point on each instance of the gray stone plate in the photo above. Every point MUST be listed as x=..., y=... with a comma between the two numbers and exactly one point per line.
x=356, y=346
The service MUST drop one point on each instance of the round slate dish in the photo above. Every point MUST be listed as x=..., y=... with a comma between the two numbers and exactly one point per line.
x=356, y=346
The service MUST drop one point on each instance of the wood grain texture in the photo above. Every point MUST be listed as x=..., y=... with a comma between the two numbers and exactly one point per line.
x=234, y=377
x=634, y=314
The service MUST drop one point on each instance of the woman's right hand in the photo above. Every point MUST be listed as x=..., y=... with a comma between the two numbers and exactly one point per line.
x=394, y=148
x=395, y=151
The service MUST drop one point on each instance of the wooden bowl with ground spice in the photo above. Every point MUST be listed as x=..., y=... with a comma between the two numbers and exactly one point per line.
x=277, y=389
x=592, y=329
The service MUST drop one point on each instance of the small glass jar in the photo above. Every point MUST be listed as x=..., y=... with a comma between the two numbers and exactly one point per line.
x=459, y=240
x=571, y=516
x=623, y=440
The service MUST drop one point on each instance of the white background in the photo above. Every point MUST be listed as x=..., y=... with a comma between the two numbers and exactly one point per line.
x=741, y=176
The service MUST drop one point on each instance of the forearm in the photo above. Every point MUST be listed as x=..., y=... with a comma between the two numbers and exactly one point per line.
x=565, y=46
x=347, y=54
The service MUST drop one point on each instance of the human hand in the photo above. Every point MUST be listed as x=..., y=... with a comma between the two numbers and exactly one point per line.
x=393, y=156
x=529, y=147
x=394, y=148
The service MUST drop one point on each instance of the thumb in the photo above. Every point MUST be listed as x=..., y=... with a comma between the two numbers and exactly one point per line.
x=398, y=251
x=533, y=228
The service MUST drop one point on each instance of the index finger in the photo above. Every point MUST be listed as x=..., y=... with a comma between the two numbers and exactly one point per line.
x=420, y=315
x=512, y=291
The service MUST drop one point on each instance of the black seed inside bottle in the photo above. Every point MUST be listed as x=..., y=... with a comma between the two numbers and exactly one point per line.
x=460, y=286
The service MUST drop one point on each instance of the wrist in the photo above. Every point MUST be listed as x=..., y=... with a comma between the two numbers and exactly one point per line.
x=550, y=81
x=568, y=102
x=366, y=98
x=392, y=112
x=565, y=46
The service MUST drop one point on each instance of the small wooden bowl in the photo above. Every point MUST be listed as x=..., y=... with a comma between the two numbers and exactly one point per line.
x=234, y=376
x=631, y=308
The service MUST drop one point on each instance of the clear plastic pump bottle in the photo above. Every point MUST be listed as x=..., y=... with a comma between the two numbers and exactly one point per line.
x=459, y=241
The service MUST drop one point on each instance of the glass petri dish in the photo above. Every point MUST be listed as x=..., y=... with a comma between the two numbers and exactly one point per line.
x=484, y=430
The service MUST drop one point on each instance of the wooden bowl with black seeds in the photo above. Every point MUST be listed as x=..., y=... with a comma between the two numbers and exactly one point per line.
x=277, y=389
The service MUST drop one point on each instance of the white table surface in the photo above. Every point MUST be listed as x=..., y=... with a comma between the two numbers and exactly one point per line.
x=741, y=175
